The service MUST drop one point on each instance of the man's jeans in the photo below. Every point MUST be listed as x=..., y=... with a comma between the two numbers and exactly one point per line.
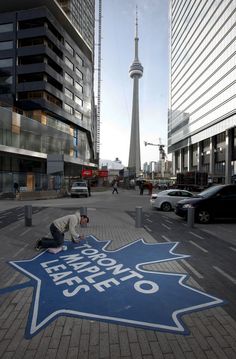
x=56, y=241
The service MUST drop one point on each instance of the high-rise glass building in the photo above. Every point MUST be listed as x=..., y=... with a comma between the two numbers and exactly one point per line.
x=202, y=108
x=81, y=13
x=46, y=91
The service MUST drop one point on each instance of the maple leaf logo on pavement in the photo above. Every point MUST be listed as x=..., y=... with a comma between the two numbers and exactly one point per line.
x=89, y=281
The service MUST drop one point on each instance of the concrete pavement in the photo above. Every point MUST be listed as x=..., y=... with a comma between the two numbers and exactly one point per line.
x=212, y=331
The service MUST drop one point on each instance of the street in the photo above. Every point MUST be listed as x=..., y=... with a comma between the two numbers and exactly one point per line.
x=208, y=257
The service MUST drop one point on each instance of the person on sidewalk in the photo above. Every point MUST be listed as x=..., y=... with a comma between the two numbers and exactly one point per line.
x=16, y=187
x=58, y=228
x=115, y=187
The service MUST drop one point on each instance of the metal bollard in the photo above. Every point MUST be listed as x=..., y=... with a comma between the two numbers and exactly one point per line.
x=28, y=216
x=191, y=215
x=83, y=211
x=139, y=217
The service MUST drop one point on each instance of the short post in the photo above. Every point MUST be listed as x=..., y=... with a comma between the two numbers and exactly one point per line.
x=28, y=216
x=191, y=215
x=139, y=217
x=83, y=211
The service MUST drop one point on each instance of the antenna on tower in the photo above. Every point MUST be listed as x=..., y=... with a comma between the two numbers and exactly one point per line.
x=99, y=75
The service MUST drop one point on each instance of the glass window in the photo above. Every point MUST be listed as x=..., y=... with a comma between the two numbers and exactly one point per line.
x=6, y=27
x=78, y=101
x=78, y=87
x=69, y=48
x=69, y=94
x=79, y=73
x=68, y=108
x=5, y=79
x=6, y=62
x=6, y=45
x=78, y=115
x=79, y=60
x=69, y=63
x=69, y=78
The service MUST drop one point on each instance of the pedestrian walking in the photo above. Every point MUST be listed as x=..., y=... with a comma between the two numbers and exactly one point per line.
x=115, y=187
x=16, y=187
x=141, y=187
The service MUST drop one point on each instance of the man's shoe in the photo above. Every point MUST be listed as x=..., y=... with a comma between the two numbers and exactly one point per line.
x=38, y=247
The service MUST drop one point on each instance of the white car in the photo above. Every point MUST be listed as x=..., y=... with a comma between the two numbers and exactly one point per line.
x=78, y=189
x=166, y=200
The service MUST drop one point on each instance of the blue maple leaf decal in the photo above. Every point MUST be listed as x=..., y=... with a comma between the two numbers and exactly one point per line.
x=90, y=281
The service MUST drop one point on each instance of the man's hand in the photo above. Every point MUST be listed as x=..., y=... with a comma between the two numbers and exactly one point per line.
x=78, y=239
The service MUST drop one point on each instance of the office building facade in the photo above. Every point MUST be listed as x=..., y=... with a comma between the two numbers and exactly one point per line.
x=46, y=91
x=202, y=108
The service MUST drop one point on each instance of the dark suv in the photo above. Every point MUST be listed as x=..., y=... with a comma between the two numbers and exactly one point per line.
x=215, y=202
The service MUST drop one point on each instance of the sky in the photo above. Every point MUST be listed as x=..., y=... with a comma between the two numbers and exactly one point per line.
x=117, y=52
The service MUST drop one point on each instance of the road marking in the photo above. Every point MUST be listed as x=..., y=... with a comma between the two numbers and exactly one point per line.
x=196, y=235
x=166, y=239
x=233, y=248
x=199, y=247
x=197, y=274
x=226, y=275
x=148, y=229
x=27, y=230
x=149, y=220
x=168, y=221
x=164, y=225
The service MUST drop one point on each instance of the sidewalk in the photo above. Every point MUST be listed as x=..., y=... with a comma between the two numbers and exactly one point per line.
x=212, y=331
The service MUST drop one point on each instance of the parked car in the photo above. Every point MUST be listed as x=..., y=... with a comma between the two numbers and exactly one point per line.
x=215, y=202
x=166, y=200
x=78, y=189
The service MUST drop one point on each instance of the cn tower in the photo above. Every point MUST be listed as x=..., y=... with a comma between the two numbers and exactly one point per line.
x=135, y=72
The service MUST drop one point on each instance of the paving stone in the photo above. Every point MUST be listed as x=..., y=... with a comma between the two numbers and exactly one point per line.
x=7, y=355
x=124, y=343
x=75, y=335
x=93, y=352
x=72, y=353
x=63, y=347
x=216, y=348
x=136, y=351
x=143, y=342
x=84, y=346
x=197, y=349
x=104, y=345
x=94, y=333
x=115, y=351
x=164, y=344
x=113, y=334
x=42, y=348
x=56, y=337
x=3, y=346
x=29, y=354
x=156, y=350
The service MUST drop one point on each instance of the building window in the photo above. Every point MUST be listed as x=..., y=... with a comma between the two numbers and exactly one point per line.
x=6, y=28
x=69, y=94
x=5, y=83
x=6, y=62
x=68, y=108
x=78, y=115
x=69, y=48
x=79, y=60
x=78, y=101
x=69, y=78
x=69, y=63
x=79, y=73
x=78, y=87
x=6, y=45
